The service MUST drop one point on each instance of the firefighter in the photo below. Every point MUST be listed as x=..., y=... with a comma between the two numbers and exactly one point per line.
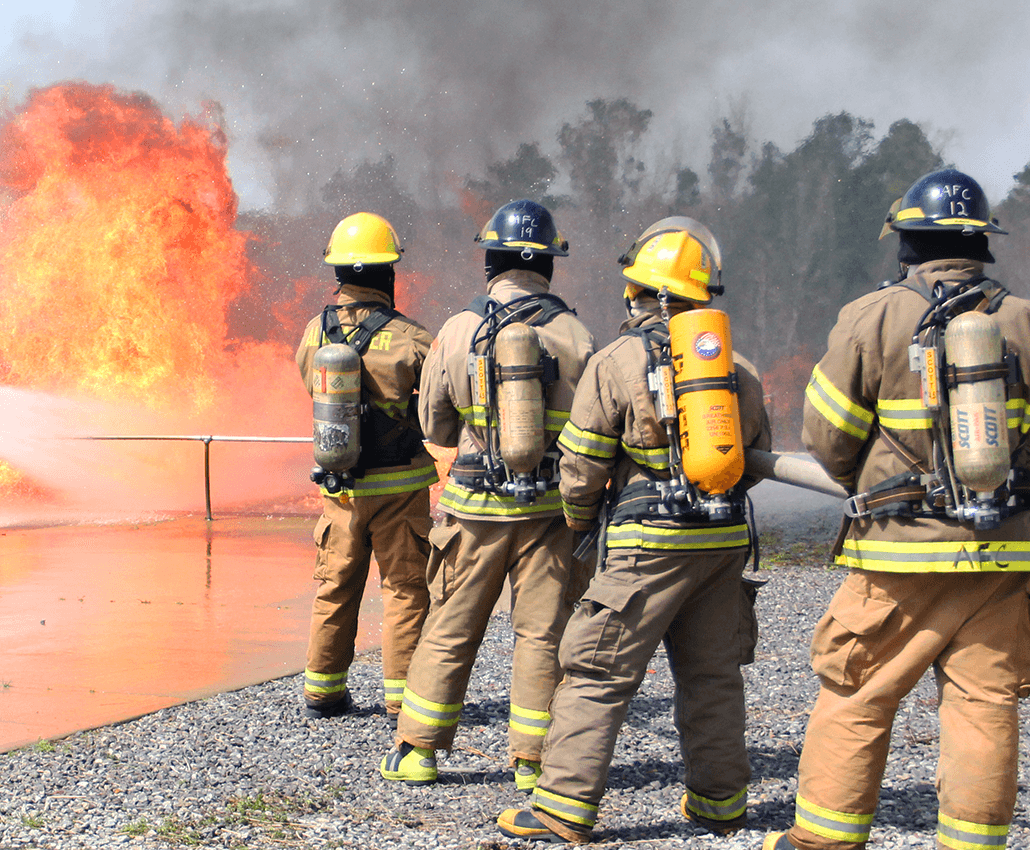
x=672, y=576
x=383, y=506
x=937, y=572
x=497, y=525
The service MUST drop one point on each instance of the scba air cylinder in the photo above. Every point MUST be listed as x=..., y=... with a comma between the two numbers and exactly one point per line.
x=979, y=431
x=337, y=407
x=706, y=399
x=520, y=397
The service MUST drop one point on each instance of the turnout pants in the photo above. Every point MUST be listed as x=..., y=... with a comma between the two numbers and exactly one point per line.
x=881, y=632
x=396, y=529
x=467, y=568
x=692, y=601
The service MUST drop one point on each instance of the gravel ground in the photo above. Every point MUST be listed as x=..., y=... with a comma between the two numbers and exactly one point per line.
x=246, y=769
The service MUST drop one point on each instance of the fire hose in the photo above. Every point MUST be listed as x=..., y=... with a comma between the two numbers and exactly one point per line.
x=792, y=470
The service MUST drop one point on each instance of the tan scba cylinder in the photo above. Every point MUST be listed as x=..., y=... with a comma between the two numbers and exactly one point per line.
x=337, y=407
x=979, y=431
x=709, y=417
x=520, y=397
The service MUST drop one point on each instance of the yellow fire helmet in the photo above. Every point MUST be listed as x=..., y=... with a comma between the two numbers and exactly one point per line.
x=363, y=239
x=678, y=255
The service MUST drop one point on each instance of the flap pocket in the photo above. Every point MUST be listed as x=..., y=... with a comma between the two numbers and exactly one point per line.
x=858, y=613
x=322, y=530
x=613, y=595
x=443, y=535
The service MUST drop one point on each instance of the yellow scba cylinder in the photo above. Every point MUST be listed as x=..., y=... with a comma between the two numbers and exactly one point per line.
x=979, y=431
x=706, y=399
x=520, y=397
x=336, y=394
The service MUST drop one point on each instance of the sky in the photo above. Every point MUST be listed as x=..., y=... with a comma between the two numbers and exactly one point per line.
x=309, y=86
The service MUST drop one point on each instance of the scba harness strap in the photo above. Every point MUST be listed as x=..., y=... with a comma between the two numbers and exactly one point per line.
x=930, y=495
x=659, y=497
x=486, y=471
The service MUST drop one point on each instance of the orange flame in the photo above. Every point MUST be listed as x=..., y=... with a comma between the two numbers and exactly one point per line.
x=117, y=252
x=119, y=264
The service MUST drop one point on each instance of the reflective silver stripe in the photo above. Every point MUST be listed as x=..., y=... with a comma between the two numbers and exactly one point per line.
x=430, y=713
x=840, y=826
x=728, y=809
x=839, y=410
x=325, y=683
x=529, y=721
x=964, y=835
x=651, y=458
x=564, y=807
x=461, y=500
x=948, y=557
x=390, y=483
x=635, y=535
x=393, y=688
x=582, y=442
x=904, y=414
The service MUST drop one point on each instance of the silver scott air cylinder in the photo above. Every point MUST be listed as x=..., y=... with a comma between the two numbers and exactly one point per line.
x=520, y=397
x=337, y=407
x=979, y=432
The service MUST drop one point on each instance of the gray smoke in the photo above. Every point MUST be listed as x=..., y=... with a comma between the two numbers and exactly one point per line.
x=313, y=86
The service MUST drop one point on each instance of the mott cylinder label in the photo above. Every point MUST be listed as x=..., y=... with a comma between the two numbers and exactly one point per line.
x=709, y=418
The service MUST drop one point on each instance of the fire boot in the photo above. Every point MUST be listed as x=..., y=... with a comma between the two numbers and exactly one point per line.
x=777, y=841
x=319, y=710
x=534, y=825
x=526, y=774
x=409, y=764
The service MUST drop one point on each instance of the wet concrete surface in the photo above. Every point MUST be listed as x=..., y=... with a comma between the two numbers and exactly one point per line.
x=101, y=624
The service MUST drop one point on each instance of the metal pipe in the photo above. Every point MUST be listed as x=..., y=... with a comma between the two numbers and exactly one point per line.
x=207, y=441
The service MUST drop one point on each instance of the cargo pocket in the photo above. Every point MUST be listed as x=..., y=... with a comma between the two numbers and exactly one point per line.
x=594, y=634
x=846, y=642
x=748, y=619
x=321, y=535
x=441, y=540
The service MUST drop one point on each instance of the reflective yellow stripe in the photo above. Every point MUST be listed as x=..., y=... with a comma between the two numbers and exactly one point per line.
x=635, y=535
x=583, y=442
x=474, y=415
x=477, y=503
x=904, y=414
x=826, y=823
x=970, y=556
x=555, y=420
x=1018, y=414
x=728, y=809
x=430, y=713
x=564, y=807
x=394, y=688
x=651, y=458
x=528, y=720
x=965, y=835
x=391, y=483
x=325, y=683
x=836, y=408
x=578, y=511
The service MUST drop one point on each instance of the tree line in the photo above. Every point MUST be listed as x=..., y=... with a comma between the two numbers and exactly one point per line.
x=797, y=229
